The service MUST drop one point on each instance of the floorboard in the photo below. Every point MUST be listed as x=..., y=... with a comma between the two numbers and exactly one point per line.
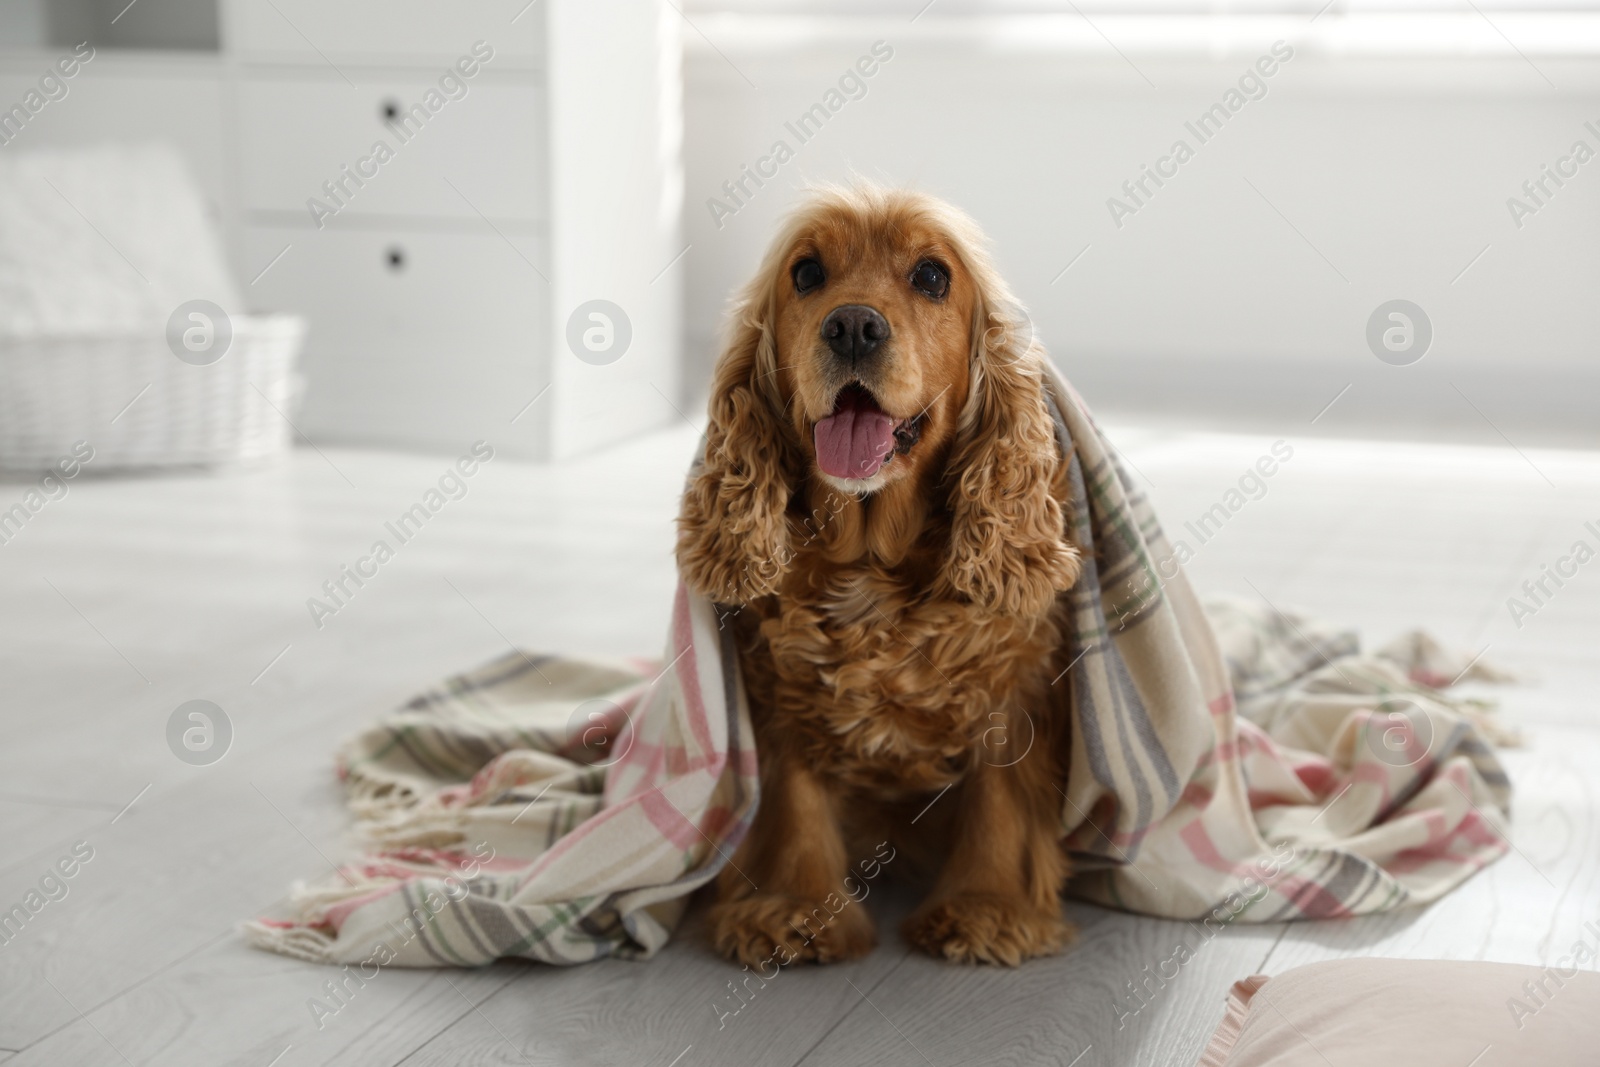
x=129, y=597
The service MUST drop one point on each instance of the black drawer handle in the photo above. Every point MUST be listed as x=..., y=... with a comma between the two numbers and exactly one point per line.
x=396, y=258
x=389, y=109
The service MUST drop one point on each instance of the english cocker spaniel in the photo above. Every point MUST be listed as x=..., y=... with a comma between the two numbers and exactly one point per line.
x=881, y=506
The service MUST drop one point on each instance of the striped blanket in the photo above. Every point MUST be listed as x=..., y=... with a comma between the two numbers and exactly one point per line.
x=1232, y=763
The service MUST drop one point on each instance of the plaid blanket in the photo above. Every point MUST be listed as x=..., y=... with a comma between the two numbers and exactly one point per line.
x=1234, y=763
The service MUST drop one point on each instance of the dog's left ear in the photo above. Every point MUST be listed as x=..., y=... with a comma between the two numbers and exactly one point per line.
x=1009, y=550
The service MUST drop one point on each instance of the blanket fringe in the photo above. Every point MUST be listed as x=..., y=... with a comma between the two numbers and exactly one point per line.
x=302, y=942
x=390, y=813
x=375, y=798
x=411, y=829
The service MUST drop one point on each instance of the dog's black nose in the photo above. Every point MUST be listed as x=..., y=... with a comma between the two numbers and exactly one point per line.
x=854, y=331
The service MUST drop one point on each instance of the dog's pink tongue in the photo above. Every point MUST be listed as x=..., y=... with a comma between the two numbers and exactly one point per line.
x=854, y=443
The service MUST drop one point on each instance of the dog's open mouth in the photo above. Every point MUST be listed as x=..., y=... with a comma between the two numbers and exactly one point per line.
x=860, y=437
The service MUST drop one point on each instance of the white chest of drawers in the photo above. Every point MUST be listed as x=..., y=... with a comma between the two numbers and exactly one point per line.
x=545, y=176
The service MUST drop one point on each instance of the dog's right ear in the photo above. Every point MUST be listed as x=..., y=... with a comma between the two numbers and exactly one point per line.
x=733, y=537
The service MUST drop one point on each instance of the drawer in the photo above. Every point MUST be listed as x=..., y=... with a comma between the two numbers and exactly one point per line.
x=435, y=352
x=371, y=288
x=384, y=30
x=298, y=133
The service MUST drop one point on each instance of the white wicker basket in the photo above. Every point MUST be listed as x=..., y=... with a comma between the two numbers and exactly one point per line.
x=138, y=405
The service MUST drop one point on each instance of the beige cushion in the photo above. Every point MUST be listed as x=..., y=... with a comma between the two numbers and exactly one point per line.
x=1418, y=1013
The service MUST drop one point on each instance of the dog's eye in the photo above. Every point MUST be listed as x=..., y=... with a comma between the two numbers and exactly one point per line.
x=931, y=279
x=807, y=275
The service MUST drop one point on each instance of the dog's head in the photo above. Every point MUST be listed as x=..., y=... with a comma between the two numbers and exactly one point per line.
x=877, y=351
x=872, y=316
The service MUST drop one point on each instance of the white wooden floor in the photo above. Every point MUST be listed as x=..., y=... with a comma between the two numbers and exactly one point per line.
x=129, y=597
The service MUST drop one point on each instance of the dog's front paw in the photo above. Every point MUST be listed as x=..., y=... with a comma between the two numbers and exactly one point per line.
x=987, y=929
x=775, y=929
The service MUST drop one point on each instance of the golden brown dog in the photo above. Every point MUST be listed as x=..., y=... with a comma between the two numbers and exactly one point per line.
x=882, y=497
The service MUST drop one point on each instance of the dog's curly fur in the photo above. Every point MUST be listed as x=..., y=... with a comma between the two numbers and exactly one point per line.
x=897, y=636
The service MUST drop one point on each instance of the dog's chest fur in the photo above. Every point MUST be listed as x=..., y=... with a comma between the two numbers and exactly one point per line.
x=888, y=686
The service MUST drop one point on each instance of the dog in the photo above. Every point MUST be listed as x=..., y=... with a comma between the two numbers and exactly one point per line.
x=881, y=504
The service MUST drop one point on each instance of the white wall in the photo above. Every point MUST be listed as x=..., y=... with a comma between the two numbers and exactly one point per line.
x=1207, y=304
x=130, y=98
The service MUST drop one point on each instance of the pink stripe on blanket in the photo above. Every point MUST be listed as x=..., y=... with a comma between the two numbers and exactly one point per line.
x=649, y=800
x=1481, y=832
x=674, y=825
x=665, y=762
x=586, y=829
x=1126, y=839
x=398, y=871
x=650, y=761
x=1473, y=827
x=1317, y=775
x=1484, y=846
x=1246, y=744
x=1198, y=840
x=1378, y=774
x=1197, y=795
